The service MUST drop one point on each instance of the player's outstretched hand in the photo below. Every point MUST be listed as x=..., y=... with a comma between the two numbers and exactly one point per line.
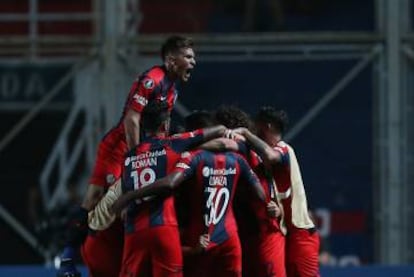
x=67, y=264
x=273, y=209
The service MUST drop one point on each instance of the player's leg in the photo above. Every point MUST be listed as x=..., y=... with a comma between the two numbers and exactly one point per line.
x=226, y=258
x=302, y=254
x=271, y=255
x=102, y=251
x=195, y=265
x=249, y=250
x=166, y=255
x=136, y=260
x=107, y=168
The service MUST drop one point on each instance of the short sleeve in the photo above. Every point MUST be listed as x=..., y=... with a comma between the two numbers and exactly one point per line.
x=185, y=141
x=140, y=93
x=284, y=152
x=187, y=164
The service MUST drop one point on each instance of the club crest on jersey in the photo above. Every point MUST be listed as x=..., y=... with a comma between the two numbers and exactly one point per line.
x=148, y=83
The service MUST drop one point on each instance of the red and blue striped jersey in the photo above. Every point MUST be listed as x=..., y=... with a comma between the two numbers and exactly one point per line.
x=216, y=176
x=264, y=222
x=152, y=85
x=149, y=161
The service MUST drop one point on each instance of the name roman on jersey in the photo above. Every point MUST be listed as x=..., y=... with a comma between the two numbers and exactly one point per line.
x=144, y=163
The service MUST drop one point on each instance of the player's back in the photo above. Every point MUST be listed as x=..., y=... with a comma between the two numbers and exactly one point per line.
x=257, y=217
x=216, y=178
x=151, y=160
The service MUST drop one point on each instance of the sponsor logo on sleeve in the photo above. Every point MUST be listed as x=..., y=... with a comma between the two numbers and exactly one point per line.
x=140, y=100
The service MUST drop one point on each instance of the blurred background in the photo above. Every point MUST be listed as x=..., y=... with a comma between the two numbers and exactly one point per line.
x=342, y=69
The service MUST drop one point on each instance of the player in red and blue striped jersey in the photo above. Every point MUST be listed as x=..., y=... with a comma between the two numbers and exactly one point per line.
x=302, y=240
x=152, y=243
x=263, y=242
x=102, y=249
x=217, y=176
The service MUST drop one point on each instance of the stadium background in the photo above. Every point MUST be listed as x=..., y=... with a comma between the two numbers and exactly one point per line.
x=342, y=70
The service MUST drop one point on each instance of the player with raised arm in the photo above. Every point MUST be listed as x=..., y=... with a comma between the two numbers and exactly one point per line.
x=302, y=241
x=152, y=244
x=102, y=249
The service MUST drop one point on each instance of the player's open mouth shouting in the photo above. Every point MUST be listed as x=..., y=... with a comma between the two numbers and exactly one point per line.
x=184, y=64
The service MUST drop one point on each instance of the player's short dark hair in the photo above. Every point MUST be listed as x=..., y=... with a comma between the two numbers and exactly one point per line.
x=233, y=117
x=198, y=119
x=278, y=118
x=154, y=114
x=173, y=44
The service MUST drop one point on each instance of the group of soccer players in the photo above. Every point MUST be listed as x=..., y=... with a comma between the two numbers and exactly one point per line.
x=224, y=198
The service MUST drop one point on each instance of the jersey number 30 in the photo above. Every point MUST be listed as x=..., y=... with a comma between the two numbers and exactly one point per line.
x=215, y=211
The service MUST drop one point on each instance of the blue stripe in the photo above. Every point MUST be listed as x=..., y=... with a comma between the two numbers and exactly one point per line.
x=206, y=159
x=166, y=85
x=220, y=234
x=184, y=144
x=157, y=205
x=285, y=159
x=129, y=221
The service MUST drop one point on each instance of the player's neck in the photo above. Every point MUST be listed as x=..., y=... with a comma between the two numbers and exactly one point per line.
x=273, y=140
x=158, y=134
x=169, y=72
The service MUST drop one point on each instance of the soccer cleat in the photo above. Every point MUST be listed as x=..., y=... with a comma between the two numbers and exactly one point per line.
x=67, y=264
x=67, y=269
